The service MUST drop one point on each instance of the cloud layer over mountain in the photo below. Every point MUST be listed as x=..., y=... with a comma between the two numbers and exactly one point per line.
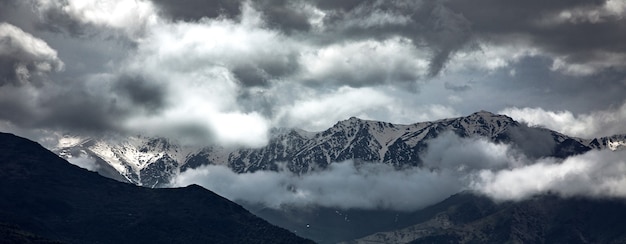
x=227, y=71
x=451, y=165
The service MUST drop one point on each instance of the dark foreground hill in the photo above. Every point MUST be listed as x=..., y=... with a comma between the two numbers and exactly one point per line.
x=44, y=199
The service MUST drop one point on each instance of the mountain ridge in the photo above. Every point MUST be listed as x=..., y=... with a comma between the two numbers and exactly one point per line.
x=141, y=161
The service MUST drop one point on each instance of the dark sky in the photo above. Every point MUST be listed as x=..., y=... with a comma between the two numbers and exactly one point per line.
x=229, y=70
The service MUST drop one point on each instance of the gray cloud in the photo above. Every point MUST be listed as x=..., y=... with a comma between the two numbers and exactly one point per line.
x=532, y=142
x=24, y=58
x=197, y=65
x=141, y=93
x=289, y=16
x=69, y=108
x=430, y=25
x=343, y=185
x=547, y=25
x=194, y=10
x=123, y=19
x=78, y=109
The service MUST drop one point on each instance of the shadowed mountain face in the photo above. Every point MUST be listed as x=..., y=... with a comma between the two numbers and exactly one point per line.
x=467, y=218
x=43, y=197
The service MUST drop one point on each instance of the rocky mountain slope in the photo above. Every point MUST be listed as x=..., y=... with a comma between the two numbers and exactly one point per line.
x=152, y=161
x=44, y=199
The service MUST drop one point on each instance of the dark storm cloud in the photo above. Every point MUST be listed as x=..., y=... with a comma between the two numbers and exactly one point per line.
x=341, y=5
x=68, y=108
x=258, y=74
x=193, y=10
x=579, y=38
x=250, y=75
x=55, y=20
x=75, y=109
x=15, y=107
x=554, y=91
x=446, y=32
x=284, y=14
x=8, y=72
x=446, y=27
x=141, y=92
x=431, y=25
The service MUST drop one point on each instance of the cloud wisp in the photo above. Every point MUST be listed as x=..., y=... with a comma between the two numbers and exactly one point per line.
x=587, y=125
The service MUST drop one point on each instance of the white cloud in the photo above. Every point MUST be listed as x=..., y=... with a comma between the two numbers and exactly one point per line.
x=490, y=57
x=365, y=62
x=596, y=173
x=602, y=60
x=611, y=9
x=132, y=17
x=343, y=185
x=320, y=112
x=595, y=124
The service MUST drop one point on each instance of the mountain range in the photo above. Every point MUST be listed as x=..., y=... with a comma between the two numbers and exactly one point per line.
x=463, y=218
x=45, y=199
x=153, y=161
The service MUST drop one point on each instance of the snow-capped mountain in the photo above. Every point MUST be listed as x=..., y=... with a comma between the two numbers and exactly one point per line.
x=139, y=160
x=152, y=161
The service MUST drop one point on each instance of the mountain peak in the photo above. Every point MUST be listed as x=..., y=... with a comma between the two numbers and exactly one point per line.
x=353, y=119
x=490, y=116
x=484, y=113
x=349, y=122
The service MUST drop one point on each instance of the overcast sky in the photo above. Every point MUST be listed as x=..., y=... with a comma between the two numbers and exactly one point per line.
x=225, y=71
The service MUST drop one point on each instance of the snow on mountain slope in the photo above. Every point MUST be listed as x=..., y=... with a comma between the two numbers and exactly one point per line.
x=152, y=161
x=140, y=160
